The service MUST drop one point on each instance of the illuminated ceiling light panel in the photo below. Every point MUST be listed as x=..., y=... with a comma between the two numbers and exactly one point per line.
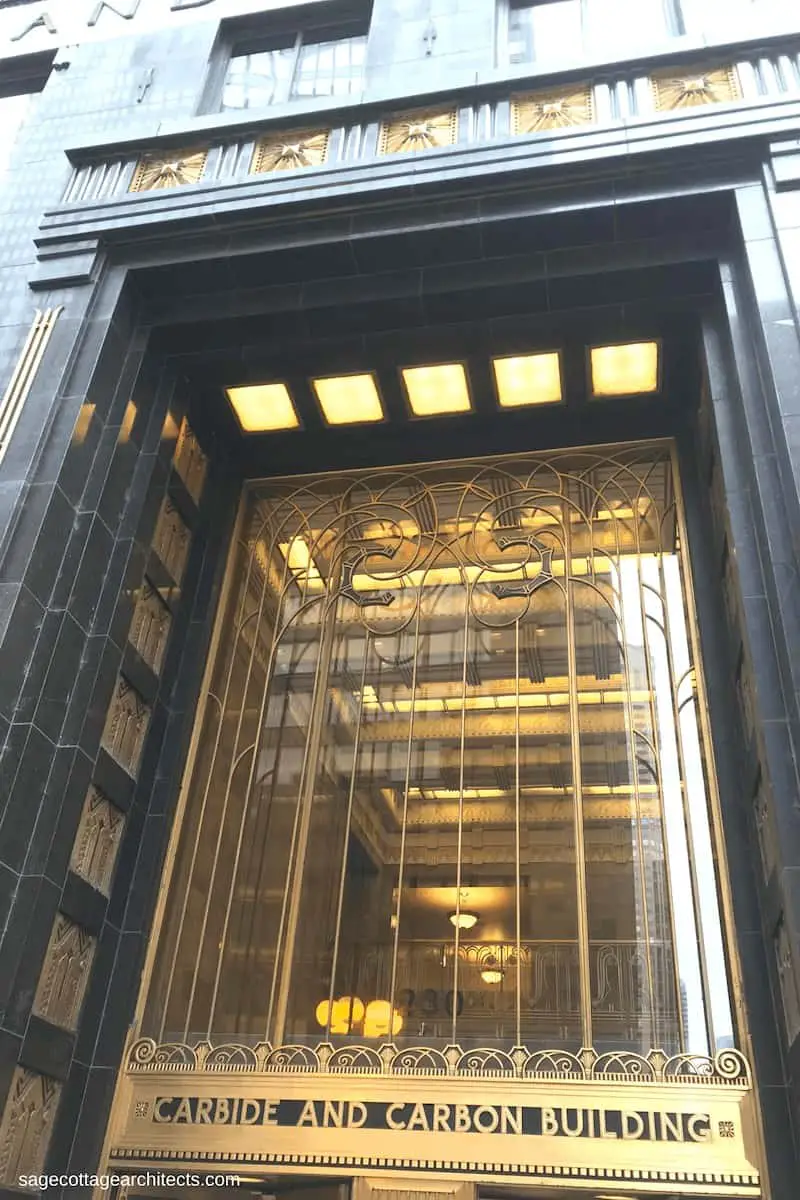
x=528, y=379
x=435, y=390
x=349, y=399
x=626, y=370
x=299, y=560
x=263, y=407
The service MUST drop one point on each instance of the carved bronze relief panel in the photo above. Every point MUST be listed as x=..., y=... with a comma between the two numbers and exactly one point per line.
x=94, y=854
x=65, y=974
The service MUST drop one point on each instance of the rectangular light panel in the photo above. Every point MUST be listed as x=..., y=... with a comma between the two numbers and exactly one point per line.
x=434, y=390
x=349, y=399
x=626, y=370
x=528, y=379
x=263, y=407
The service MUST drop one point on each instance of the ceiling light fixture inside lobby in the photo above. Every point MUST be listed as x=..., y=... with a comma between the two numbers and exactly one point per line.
x=434, y=390
x=524, y=379
x=625, y=370
x=263, y=407
x=349, y=399
x=464, y=919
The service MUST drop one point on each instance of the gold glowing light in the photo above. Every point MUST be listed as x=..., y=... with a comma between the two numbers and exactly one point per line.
x=343, y=1014
x=381, y=1020
x=528, y=379
x=349, y=399
x=435, y=390
x=263, y=407
x=625, y=370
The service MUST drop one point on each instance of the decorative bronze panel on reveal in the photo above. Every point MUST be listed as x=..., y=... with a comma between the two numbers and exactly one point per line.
x=171, y=540
x=169, y=170
x=26, y=1125
x=65, y=974
x=150, y=627
x=126, y=726
x=695, y=86
x=537, y=112
x=190, y=462
x=99, y=835
x=288, y=150
x=422, y=129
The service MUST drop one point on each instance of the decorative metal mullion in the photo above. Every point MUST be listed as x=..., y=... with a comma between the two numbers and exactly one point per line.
x=249, y=953
x=518, y=851
x=460, y=838
x=235, y=760
x=308, y=776
x=660, y=778
x=584, y=963
x=254, y=752
x=687, y=814
x=637, y=799
x=348, y=821
x=404, y=824
x=222, y=702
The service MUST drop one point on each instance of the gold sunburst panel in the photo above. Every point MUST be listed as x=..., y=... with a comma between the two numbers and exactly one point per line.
x=288, y=150
x=424, y=129
x=169, y=170
x=694, y=87
x=537, y=112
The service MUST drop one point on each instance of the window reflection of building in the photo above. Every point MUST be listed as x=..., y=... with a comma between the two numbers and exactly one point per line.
x=450, y=785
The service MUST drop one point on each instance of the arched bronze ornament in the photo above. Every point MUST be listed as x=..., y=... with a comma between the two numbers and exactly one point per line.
x=695, y=86
x=289, y=150
x=168, y=170
x=538, y=112
x=422, y=129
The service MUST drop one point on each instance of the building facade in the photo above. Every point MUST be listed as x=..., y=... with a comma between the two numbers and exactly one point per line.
x=400, y=597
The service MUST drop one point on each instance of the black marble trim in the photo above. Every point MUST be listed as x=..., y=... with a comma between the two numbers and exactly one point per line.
x=47, y=1049
x=83, y=904
x=113, y=781
x=139, y=675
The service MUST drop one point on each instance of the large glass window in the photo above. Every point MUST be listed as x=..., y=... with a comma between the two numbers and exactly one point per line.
x=450, y=784
x=546, y=31
x=320, y=64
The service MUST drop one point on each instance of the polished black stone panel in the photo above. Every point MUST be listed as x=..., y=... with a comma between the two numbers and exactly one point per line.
x=46, y=1049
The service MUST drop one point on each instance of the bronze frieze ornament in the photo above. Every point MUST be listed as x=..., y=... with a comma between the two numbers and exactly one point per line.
x=169, y=169
x=695, y=86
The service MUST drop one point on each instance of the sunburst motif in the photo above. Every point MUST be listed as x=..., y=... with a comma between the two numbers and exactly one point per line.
x=169, y=170
x=540, y=111
x=288, y=151
x=420, y=130
x=695, y=87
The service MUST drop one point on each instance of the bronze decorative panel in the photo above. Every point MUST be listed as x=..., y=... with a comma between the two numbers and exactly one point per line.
x=190, y=462
x=94, y=853
x=171, y=540
x=538, y=112
x=65, y=974
x=169, y=170
x=695, y=86
x=149, y=632
x=288, y=150
x=126, y=726
x=26, y=1125
x=422, y=129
